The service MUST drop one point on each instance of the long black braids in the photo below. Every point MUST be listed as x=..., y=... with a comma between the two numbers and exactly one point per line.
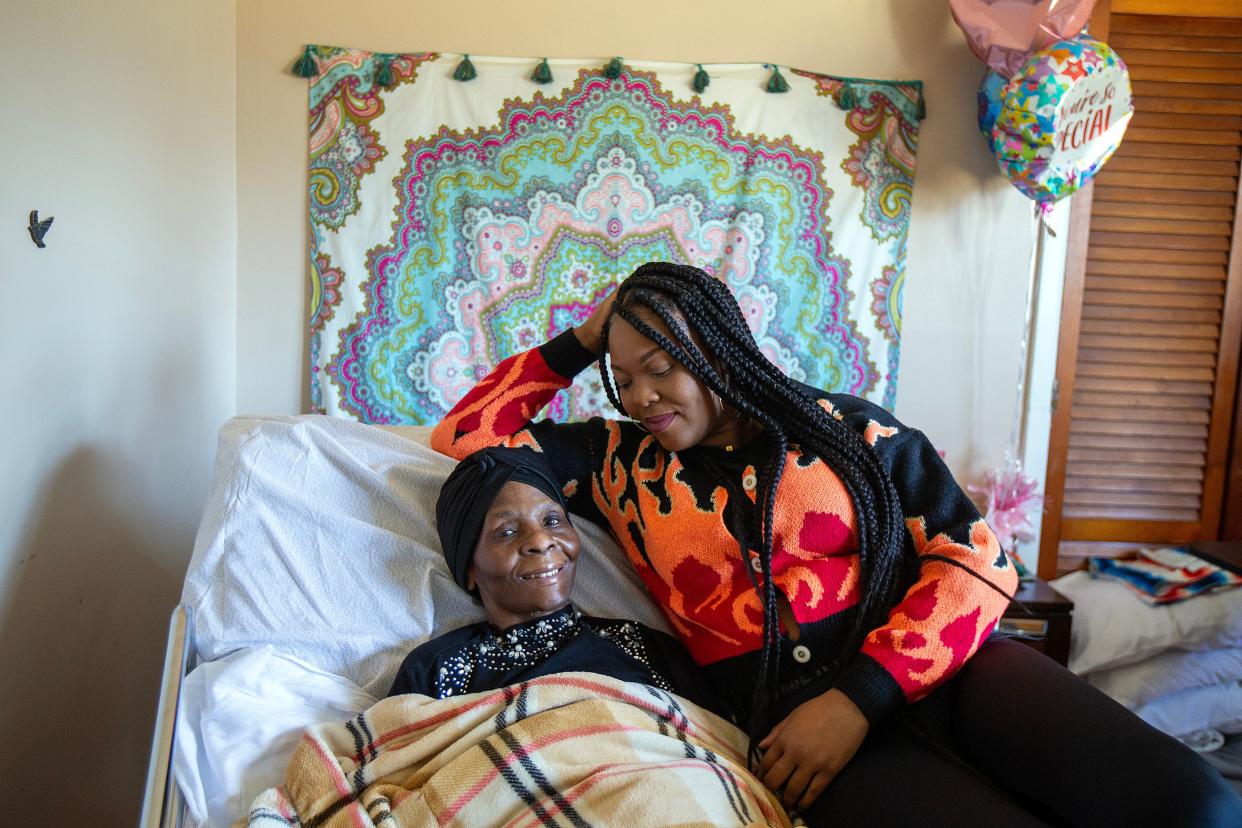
x=731, y=365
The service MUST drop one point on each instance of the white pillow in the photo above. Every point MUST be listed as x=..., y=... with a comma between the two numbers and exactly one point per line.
x=319, y=538
x=1169, y=672
x=1112, y=626
x=237, y=724
x=1218, y=707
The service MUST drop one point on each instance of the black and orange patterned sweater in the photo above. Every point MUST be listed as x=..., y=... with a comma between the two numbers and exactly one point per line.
x=671, y=513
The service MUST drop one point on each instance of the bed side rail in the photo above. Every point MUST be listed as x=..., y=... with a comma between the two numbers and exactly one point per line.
x=161, y=807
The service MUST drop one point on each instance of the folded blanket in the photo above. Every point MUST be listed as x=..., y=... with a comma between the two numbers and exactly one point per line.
x=571, y=749
x=1165, y=576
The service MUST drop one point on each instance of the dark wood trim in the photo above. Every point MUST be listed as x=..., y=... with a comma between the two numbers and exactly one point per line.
x=1042, y=618
x=1227, y=554
x=1231, y=507
x=1217, y=477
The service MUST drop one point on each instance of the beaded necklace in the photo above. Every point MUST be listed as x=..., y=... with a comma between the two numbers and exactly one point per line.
x=522, y=645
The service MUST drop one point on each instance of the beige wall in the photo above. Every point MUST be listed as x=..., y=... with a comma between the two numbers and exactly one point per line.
x=118, y=345
x=971, y=231
x=173, y=291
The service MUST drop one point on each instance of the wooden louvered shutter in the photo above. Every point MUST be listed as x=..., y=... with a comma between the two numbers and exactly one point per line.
x=1147, y=367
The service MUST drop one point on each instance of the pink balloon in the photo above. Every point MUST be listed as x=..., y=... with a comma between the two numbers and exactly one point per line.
x=1003, y=33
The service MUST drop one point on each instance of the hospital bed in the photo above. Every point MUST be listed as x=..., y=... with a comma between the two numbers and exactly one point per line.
x=316, y=568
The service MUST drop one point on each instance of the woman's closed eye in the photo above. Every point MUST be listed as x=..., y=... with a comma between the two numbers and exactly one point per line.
x=657, y=371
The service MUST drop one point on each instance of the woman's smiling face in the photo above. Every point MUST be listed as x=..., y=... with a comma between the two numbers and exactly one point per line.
x=658, y=391
x=523, y=563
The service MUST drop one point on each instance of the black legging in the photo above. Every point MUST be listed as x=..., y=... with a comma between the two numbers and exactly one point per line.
x=1045, y=748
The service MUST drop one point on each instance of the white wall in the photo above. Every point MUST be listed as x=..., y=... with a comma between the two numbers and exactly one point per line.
x=118, y=346
x=1045, y=337
x=970, y=237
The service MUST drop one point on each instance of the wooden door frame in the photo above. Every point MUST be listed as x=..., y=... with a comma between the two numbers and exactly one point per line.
x=1220, y=515
x=1231, y=501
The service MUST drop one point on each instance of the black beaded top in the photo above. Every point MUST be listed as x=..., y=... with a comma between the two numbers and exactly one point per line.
x=478, y=657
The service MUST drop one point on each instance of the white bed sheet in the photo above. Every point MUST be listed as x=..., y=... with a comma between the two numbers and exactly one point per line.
x=1173, y=671
x=319, y=539
x=1214, y=707
x=238, y=722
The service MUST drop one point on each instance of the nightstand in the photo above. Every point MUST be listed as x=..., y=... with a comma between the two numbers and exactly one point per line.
x=1044, y=623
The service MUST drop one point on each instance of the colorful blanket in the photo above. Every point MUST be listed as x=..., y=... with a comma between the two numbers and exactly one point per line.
x=1165, y=576
x=571, y=749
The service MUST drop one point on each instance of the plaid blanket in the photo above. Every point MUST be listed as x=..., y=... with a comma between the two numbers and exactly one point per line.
x=574, y=749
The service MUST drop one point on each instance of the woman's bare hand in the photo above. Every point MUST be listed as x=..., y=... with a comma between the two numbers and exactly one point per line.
x=804, y=752
x=591, y=331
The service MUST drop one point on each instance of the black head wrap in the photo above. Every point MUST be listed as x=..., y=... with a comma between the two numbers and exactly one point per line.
x=470, y=489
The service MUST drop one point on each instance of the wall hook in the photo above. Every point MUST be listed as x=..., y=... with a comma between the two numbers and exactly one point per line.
x=38, y=229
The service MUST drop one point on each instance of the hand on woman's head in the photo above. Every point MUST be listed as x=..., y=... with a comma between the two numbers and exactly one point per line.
x=524, y=561
x=590, y=331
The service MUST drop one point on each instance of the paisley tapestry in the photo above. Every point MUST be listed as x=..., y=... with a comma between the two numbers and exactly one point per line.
x=455, y=222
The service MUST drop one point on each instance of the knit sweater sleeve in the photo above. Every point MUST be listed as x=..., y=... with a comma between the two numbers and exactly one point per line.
x=499, y=410
x=963, y=576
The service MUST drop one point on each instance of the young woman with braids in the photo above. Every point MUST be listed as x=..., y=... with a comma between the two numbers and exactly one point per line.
x=823, y=568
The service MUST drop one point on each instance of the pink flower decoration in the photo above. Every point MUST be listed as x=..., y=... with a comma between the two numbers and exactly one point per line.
x=1010, y=495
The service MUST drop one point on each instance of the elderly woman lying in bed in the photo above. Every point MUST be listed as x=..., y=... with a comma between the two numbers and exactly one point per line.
x=592, y=737
x=508, y=539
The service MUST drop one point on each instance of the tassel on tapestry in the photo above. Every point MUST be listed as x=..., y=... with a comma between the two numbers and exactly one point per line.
x=542, y=73
x=701, y=79
x=465, y=70
x=777, y=82
x=491, y=243
x=384, y=76
x=845, y=96
x=304, y=67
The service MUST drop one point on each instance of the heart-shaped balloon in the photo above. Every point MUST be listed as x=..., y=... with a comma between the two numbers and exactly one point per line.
x=1004, y=33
